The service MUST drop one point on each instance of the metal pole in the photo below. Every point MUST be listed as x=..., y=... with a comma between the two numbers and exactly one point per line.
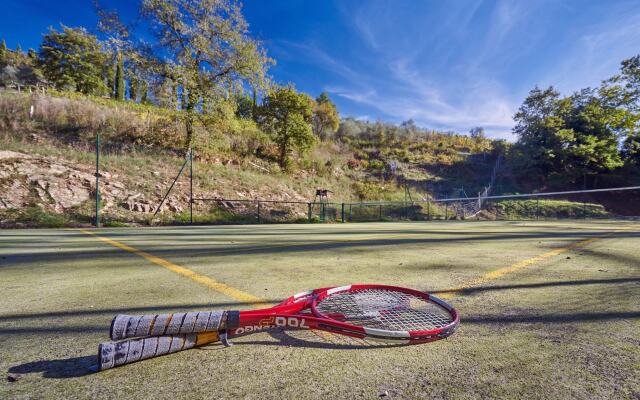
x=184, y=164
x=343, y=213
x=537, y=208
x=191, y=186
x=380, y=213
x=309, y=207
x=446, y=211
x=258, y=215
x=98, y=180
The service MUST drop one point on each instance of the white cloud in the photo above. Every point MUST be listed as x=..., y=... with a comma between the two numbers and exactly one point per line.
x=454, y=66
x=597, y=53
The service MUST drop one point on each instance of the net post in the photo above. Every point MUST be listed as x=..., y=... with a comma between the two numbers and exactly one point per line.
x=184, y=164
x=342, y=212
x=97, y=220
x=191, y=186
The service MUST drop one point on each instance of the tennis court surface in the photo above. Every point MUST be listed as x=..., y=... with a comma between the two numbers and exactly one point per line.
x=548, y=309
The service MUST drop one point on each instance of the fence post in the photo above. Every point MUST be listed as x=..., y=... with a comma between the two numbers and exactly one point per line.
x=97, y=180
x=258, y=212
x=191, y=186
x=342, y=206
x=350, y=212
x=380, y=212
x=537, y=208
x=309, y=212
x=446, y=211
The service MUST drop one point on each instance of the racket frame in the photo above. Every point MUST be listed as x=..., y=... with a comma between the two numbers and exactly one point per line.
x=288, y=314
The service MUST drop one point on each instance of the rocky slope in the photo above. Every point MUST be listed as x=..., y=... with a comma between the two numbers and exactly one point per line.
x=57, y=185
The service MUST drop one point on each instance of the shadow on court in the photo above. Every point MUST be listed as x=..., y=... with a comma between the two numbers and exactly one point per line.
x=480, y=289
x=274, y=248
x=85, y=365
x=58, y=369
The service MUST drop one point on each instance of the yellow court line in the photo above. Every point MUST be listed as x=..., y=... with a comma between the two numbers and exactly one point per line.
x=194, y=276
x=498, y=273
x=256, y=301
x=362, y=238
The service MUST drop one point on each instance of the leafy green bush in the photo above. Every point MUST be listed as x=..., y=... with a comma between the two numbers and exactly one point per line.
x=370, y=191
x=376, y=165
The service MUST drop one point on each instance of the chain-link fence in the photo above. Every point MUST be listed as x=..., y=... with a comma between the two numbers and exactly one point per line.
x=177, y=201
x=591, y=204
x=599, y=203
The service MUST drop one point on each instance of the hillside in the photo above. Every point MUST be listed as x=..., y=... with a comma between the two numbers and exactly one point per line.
x=48, y=163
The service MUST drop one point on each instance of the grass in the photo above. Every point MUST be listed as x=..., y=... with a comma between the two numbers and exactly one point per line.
x=551, y=330
x=151, y=172
x=34, y=216
x=531, y=209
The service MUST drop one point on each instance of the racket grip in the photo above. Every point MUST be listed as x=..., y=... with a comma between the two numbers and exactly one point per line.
x=114, y=354
x=129, y=326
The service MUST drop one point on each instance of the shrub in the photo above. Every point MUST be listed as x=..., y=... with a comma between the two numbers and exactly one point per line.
x=370, y=191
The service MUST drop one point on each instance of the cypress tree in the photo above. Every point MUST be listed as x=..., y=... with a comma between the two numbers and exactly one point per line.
x=134, y=86
x=120, y=86
x=111, y=78
x=143, y=92
x=254, y=105
x=3, y=51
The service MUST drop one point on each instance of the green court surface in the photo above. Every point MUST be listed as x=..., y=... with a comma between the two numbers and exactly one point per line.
x=546, y=312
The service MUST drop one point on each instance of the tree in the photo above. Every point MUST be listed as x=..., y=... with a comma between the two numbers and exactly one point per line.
x=326, y=120
x=477, y=133
x=286, y=116
x=144, y=92
x=32, y=56
x=631, y=150
x=409, y=126
x=120, y=83
x=349, y=128
x=3, y=50
x=18, y=68
x=244, y=106
x=73, y=59
x=626, y=84
x=9, y=75
x=567, y=139
x=203, y=46
x=134, y=87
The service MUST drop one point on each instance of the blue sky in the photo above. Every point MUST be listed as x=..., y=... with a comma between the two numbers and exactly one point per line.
x=448, y=65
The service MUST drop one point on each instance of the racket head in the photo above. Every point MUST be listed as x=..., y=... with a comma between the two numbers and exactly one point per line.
x=384, y=312
x=302, y=297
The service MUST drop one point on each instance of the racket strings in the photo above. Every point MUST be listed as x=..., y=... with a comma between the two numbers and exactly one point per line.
x=384, y=309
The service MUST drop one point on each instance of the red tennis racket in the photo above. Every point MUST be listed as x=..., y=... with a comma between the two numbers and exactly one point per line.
x=376, y=312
